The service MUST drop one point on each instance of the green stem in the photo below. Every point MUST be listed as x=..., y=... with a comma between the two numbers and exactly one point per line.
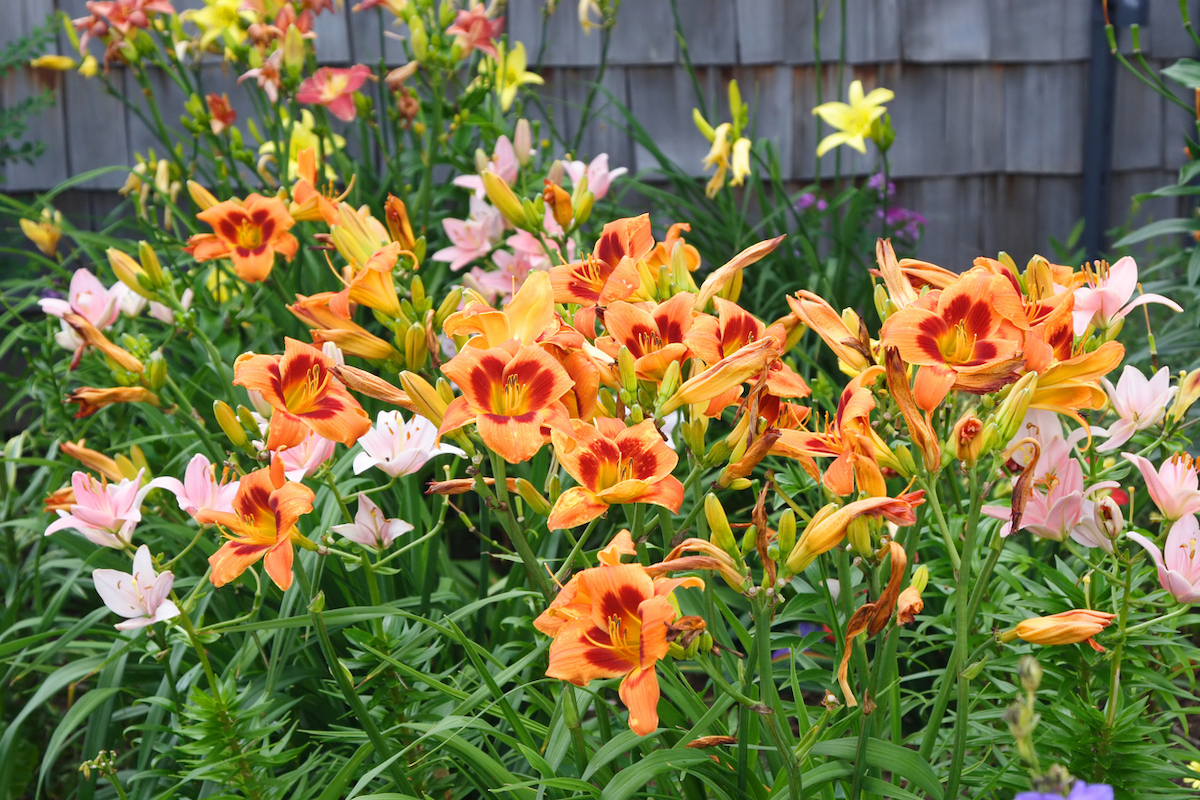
x=1141, y=626
x=185, y=620
x=435, y=128
x=1110, y=713
x=341, y=676
x=533, y=567
x=943, y=527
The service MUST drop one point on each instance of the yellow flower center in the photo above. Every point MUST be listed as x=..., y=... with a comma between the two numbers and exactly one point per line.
x=249, y=235
x=957, y=346
x=303, y=394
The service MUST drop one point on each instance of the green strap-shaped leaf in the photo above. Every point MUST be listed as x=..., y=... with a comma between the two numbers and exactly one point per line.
x=635, y=776
x=884, y=755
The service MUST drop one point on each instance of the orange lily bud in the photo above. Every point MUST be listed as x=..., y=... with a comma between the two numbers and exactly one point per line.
x=91, y=400
x=1069, y=627
x=754, y=454
x=828, y=526
x=59, y=500
x=713, y=558
x=910, y=603
x=738, y=367
x=93, y=460
x=464, y=485
x=968, y=438
x=372, y=385
x=95, y=338
x=398, y=224
x=919, y=426
x=725, y=273
x=560, y=203
x=358, y=342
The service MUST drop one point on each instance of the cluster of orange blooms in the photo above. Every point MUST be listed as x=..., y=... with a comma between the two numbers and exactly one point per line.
x=595, y=358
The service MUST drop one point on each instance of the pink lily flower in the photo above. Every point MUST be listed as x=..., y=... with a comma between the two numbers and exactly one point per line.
x=400, y=448
x=599, y=176
x=1106, y=297
x=88, y=298
x=129, y=303
x=1057, y=505
x=140, y=597
x=334, y=88
x=269, y=75
x=126, y=14
x=303, y=460
x=475, y=31
x=504, y=281
x=200, y=489
x=1173, y=486
x=105, y=513
x=474, y=237
x=1140, y=404
x=370, y=527
x=164, y=314
x=504, y=163
x=1179, y=563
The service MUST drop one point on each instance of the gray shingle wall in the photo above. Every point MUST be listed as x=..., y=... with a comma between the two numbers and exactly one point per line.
x=989, y=106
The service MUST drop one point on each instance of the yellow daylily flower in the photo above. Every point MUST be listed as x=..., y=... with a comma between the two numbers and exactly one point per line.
x=853, y=120
x=718, y=156
x=508, y=69
x=89, y=67
x=219, y=19
x=45, y=232
x=303, y=137
x=741, y=161
x=60, y=63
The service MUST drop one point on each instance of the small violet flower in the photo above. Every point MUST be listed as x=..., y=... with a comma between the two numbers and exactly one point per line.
x=1173, y=486
x=1079, y=791
x=105, y=513
x=370, y=527
x=1106, y=297
x=1179, y=563
x=400, y=448
x=599, y=176
x=200, y=488
x=140, y=597
x=1140, y=403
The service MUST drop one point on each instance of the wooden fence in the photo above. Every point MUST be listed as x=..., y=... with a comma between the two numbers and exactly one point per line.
x=989, y=108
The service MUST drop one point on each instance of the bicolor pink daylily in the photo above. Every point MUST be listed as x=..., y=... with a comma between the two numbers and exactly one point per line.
x=371, y=528
x=334, y=88
x=1140, y=403
x=1173, y=485
x=269, y=76
x=400, y=448
x=503, y=162
x=105, y=513
x=140, y=596
x=1106, y=297
x=200, y=488
x=475, y=31
x=599, y=176
x=1179, y=563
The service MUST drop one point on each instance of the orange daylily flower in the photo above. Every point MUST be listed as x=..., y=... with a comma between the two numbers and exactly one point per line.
x=373, y=287
x=249, y=233
x=266, y=509
x=613, y=465
x=828, y=526
x=849, y=438
x=309, y=204
x=328, y=314
x=750, y=361
x=852, y=347
x=960, y=336
x=529, y=318
x=611, y=621
x=91, y=400
x=1074, y=384
x=732, y=268
x=654, y=337
x=660, y=256
x=610, y=272
x=301, y=388
x=509, y=395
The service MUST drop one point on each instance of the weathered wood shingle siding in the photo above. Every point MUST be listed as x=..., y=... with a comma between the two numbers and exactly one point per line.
x=989, y=107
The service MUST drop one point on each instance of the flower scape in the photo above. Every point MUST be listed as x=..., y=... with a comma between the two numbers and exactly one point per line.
x=532, y=502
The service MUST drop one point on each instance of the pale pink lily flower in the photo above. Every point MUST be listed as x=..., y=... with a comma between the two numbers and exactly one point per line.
x=129, y=303
x=474, y=237
x=105, y=513
x=140, y=597
x=1106, y=298
x=200, y=489
x=303, y=460
x=87, y=297
x=164, y=314
x=334, y=353
x=1057, y=506
x=334, y=88
x=1102, y=526
x=599, y=176
x=504, y=163
x=1179, y=563
x=1140, y=403
x=400, y=448
x=504, y=281
x=370, y=527
x=269, y=76
x=1173, y=486
x=475, y=31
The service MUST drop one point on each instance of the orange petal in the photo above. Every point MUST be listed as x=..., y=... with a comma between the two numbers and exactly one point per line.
x=575, y=655
x=621, y=545
x=515, y=439
x=574, y=507
x=649, y=456
x=232, y=559
x=278, y=564
x=639, y=692
x=667, y=493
